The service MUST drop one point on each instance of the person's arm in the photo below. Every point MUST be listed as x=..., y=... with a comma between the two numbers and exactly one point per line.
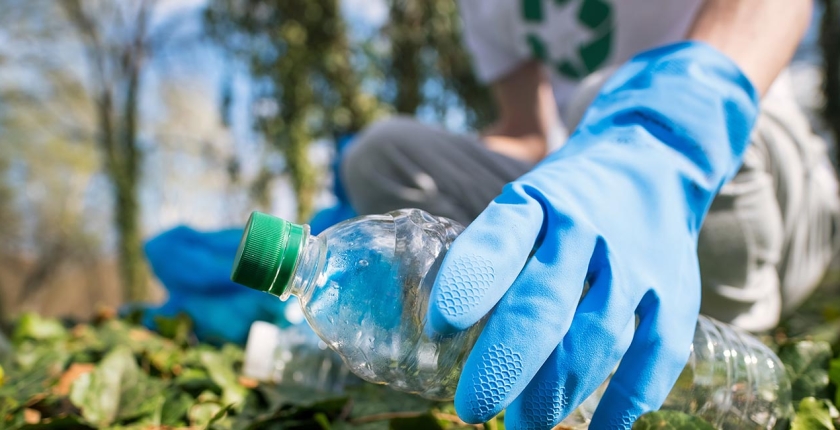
x=761, y=36
x=527, y=113
x=618, y=209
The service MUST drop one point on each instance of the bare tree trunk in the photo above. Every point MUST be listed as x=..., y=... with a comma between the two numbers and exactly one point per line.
x=132, y=268
x=830, y=44
x=118, y=133
x=127, y=213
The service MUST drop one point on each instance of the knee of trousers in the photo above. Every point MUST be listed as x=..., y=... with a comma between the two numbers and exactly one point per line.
x=771, y=232
x=740, y=246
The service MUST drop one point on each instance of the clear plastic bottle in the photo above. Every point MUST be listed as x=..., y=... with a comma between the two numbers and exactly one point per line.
x=364, y=286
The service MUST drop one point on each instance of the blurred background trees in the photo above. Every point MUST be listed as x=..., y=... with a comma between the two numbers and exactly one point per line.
x=315, y=83
x=117, y=43
x=47, y=161
x=119, y=119
x=298, y=52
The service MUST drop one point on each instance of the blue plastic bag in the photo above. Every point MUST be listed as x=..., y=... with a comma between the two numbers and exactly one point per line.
x=194, y=267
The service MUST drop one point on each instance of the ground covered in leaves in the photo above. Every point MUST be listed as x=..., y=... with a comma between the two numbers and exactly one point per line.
x=111, y=373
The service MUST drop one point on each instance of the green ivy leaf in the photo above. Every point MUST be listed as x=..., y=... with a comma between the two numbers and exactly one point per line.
x=29, y=375
x=322, y=421
x=220, y=415
x=814, y=414
x=116, y=390
x=670, y=420
x=807, y=363
x=176, y=408
x=220, y=369
x=203, y=413
x=32, y=326
x=178, y=328
x=834, y=377
x=173, y=409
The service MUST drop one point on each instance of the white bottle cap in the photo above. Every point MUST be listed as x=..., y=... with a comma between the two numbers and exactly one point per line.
x=263, y=339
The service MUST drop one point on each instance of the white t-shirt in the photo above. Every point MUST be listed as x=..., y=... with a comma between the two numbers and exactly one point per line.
x=572, y=37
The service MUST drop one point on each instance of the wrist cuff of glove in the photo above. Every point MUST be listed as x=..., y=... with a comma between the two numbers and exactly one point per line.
x=689, y=97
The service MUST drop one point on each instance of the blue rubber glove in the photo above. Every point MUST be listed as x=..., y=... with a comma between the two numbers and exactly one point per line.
x=618, y=208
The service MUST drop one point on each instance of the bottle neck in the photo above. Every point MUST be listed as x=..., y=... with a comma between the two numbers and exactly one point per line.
x=309, y=265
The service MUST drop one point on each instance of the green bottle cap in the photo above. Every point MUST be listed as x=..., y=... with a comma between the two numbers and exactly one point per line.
x=268, y=253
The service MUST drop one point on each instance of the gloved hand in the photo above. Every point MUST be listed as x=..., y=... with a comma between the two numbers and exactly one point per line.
x=618, y=208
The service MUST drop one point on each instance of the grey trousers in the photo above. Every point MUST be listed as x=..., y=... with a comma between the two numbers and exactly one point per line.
x=765, y=245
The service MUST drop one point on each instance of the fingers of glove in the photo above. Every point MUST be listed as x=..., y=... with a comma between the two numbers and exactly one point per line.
x=484, y=261
x=600, y=334
x=526, y=325
x=648, y=371
x=528, y=322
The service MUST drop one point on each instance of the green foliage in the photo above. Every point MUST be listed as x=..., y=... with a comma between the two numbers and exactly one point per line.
x=670, y=420
x=834, y=377
x=31, y=326
x=117, y=390
x=814, y=414
x=807, y=365
x=112, y=374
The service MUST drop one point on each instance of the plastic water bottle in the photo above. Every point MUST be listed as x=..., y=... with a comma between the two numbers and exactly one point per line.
x=364, y=287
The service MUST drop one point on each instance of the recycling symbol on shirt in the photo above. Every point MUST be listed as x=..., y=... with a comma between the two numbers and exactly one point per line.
x=587, y=28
